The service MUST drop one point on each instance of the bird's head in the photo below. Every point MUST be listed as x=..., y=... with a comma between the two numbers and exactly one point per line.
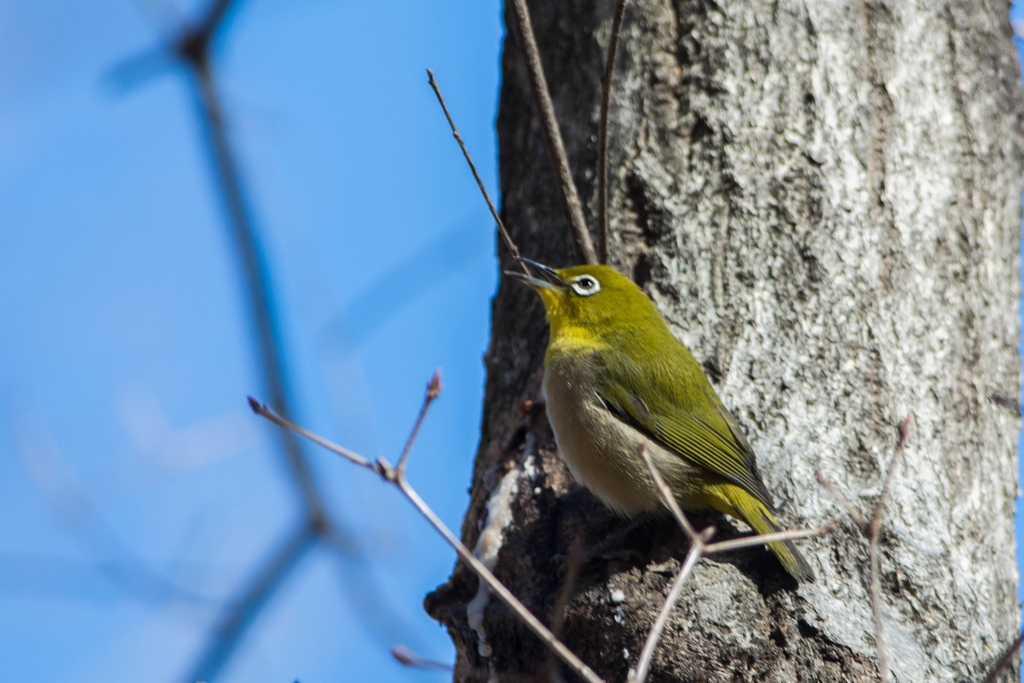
x=597, y=299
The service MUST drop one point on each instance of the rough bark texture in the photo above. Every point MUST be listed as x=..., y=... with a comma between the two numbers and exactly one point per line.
x=824, y=200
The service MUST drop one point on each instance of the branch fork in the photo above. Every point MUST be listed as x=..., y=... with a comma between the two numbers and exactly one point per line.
x=700, y=541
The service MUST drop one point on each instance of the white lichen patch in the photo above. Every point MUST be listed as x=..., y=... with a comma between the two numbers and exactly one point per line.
x=499, y=516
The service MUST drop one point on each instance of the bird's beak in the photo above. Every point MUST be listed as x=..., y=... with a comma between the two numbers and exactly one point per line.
x=548, y=278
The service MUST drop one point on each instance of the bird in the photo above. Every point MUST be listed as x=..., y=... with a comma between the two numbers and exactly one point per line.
x=617, y=380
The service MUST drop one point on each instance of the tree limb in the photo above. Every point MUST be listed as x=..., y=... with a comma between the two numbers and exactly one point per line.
x=552, y=134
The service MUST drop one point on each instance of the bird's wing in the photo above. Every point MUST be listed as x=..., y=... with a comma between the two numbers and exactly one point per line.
x=710, y=439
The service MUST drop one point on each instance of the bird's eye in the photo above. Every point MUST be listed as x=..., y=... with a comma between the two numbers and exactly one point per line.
x=585, y=285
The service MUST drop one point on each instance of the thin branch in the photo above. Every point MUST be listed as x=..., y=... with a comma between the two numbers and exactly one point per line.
x=573, y=564
x=552, y=134
x=395, y=476
x=352, y=456
x=1004, y=659
x=699, y=547
x=874, y=536
x=407, y=657
x=513, y=250
x=647, y=654
x=873, y=531
x=698, y=543
x=602, y=133
x=666, y=494
x=875, y=594
x=762, y=539
x=215, y=16
x=860, y=520
x=883, y=497
x=240, y=616
x=257, y=279
x=433, y=391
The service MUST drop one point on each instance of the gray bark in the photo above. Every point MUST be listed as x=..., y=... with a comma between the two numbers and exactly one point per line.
x=824, y=200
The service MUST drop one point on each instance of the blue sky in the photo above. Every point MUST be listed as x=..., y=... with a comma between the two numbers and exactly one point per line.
x=126, y=448
x=136, y=491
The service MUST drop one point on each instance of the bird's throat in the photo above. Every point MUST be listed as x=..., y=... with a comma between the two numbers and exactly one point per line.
x=570, y=341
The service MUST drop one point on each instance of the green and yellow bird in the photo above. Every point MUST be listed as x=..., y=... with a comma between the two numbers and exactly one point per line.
x=615, y=377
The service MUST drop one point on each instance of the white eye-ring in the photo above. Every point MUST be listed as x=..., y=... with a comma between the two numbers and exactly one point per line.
x=585, y=285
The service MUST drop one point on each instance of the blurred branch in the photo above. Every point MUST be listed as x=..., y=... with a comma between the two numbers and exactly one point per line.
x=55, y=477
x=396, y=476
x=1005, y=658
x=552, y=134
x=242, y=612
x=431, y=264
x=194, y=48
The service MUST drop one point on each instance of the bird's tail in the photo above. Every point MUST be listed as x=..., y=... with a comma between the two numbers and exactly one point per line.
x=744, y=506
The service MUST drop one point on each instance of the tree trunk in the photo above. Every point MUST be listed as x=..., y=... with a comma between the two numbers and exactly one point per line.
x=824, y=201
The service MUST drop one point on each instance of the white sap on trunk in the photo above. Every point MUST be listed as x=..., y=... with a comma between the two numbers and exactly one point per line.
x=499, y=515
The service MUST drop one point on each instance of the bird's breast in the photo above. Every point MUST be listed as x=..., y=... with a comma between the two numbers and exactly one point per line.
x=602, y=451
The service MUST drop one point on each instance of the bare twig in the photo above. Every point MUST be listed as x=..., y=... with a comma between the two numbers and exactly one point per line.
x=240, y=615
x=573, y=564
x=602, y=134
x=699, y=547
x=1004, y=659
x=872, y=529
x=552, y=134
x=513, y=250
x=860, y=520
x=666, y=494
x=874, y=536
x=351, y=456
x=762, y=539
x=497, y=588
x=697, y=544
x=433, y=391
x=883, y=497
x=397, y=477
x=647, y=654
x=407, y=657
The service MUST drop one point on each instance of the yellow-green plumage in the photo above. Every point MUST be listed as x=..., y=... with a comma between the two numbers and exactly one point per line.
x=616, y=377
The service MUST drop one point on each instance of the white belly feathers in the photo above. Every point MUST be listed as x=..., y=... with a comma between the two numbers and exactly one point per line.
x=601, y=450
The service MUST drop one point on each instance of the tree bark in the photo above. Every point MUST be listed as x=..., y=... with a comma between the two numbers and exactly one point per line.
x=824, y=201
